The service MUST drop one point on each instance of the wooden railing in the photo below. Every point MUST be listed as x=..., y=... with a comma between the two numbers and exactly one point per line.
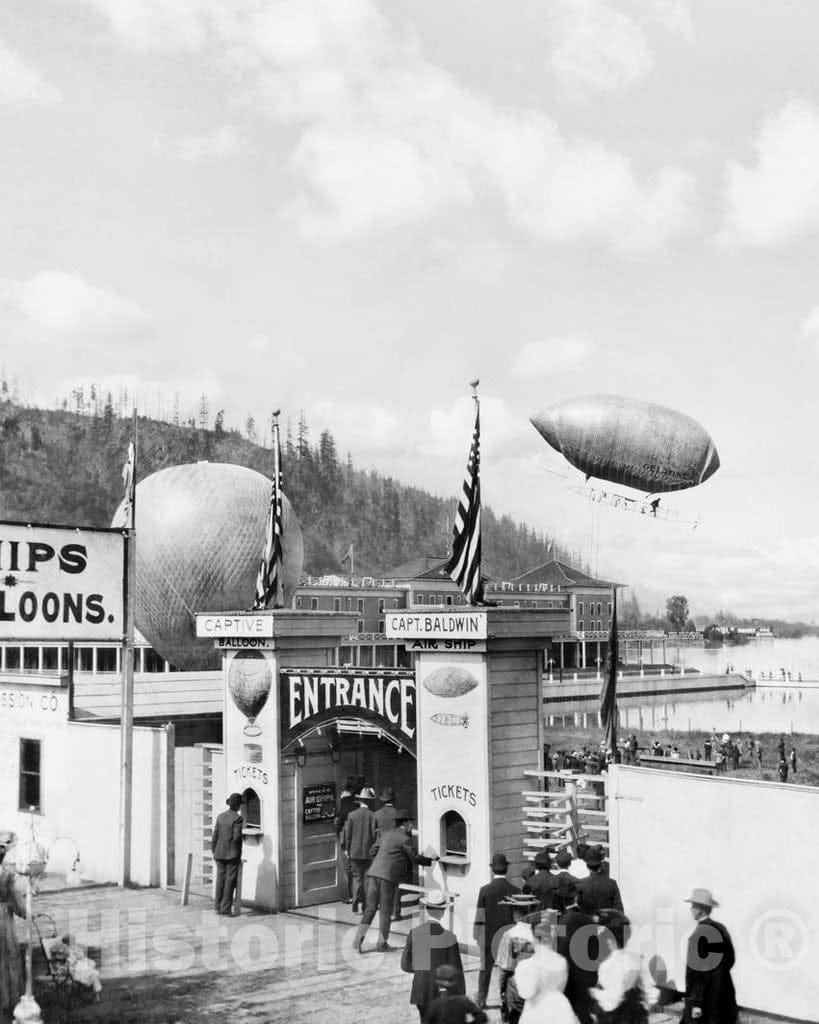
x=568, y=810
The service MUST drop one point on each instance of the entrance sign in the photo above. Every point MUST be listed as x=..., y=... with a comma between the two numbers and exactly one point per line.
x=236, y=624
x=60, y=583
x=385, y=698
x=318, y=803
x=446, y=625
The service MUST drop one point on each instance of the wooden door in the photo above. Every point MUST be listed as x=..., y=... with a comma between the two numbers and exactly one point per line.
x=318, y=863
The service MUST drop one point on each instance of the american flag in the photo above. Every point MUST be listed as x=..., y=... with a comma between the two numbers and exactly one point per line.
x=608, y=693
x=267, y=582
x=129, y=482
x=464, y=565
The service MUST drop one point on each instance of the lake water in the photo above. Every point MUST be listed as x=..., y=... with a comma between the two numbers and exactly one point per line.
x=778, y=706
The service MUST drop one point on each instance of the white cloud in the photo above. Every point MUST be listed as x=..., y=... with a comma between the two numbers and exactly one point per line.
x=384, y=138
x=555, y=355
x=22, y=84
x=361, y=427
x=161, y=25
x=777, y=200
x=503, y=432
x=65, y=304
x=597, y=48
x=259, y=344
x=219, y=144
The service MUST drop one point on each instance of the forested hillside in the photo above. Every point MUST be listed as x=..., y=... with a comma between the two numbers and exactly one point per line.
x=58, y=466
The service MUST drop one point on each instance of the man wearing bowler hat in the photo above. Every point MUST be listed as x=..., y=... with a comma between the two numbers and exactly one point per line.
x=226, y=847
x=543, y=883
x=429, y=947
x=393, y=855
x=709, y=988
x=598, y=891
x=492, y=915
x=384, y=822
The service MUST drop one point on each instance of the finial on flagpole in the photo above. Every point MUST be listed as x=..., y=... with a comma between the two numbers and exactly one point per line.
x=276, y=413
x=474, y=385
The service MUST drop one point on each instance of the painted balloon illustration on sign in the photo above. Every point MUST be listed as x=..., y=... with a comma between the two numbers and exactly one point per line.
x=250, y=680
x=450, y=681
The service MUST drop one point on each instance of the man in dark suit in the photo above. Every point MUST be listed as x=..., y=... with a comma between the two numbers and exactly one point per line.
x=543, y=883
x=709, y=988
x=393, y=855
x=491, y=917
x=385, y=822
x=565, y=882
x=577, y=942
x=226, y=847
x=346, y=804
x=598, y=891
x=430, y=946
x=357, y=839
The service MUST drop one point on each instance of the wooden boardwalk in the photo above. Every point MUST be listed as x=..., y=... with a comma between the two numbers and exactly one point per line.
x=167, y=964
x=162, y=962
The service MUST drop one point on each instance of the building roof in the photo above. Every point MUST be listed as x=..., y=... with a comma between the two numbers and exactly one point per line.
x=428, y=567
x=560, y=574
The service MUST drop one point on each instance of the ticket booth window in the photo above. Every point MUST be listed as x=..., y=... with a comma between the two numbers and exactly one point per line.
x=252, y=811
x=453, y=835
x=29, y=775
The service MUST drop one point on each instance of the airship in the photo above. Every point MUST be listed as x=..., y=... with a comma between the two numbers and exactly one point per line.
x=629, y=442
x=200, y=533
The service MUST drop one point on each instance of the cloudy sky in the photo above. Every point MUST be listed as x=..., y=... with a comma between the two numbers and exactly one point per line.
x=352, y=208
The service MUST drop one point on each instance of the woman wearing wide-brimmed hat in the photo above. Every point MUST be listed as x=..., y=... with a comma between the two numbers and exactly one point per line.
x=709, y=989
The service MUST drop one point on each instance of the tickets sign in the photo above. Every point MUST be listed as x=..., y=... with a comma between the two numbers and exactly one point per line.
x=60, y=583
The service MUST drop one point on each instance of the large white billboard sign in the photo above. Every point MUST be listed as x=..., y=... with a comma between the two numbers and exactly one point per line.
x=60, y=583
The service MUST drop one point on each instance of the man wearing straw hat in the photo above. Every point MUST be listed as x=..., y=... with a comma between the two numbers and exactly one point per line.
x=357, y=838
x=516, y=944
x=709, y=988
x=429, y=947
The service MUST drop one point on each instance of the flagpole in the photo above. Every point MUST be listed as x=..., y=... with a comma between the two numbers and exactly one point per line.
x=277, y=476
x=127, y=671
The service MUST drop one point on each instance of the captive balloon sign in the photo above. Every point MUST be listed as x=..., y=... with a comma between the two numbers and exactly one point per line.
x=60, y=583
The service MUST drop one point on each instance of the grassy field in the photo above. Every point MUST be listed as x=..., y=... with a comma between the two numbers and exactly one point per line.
x=805, y=744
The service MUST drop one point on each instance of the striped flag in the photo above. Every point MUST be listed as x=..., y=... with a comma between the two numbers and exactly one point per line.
x=464, y=565
x=129, y=482
x=267, y=582
x=608, y=693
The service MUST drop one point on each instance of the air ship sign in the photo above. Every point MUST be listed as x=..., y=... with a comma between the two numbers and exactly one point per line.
x=60, y=583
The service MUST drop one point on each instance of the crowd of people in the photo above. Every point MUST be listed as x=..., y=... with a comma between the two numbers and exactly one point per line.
x=724, y=752
x=559, y=944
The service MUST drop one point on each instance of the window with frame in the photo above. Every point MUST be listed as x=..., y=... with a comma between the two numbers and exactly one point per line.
x=579, y=607
x=420, y=598
x=298, y=602
x=313, y=604
x=381, y=605
x=30, y=775
x=336, y=604
x=360, y=605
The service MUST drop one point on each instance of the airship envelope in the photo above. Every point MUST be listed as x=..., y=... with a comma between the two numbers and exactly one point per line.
x=629, y=442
